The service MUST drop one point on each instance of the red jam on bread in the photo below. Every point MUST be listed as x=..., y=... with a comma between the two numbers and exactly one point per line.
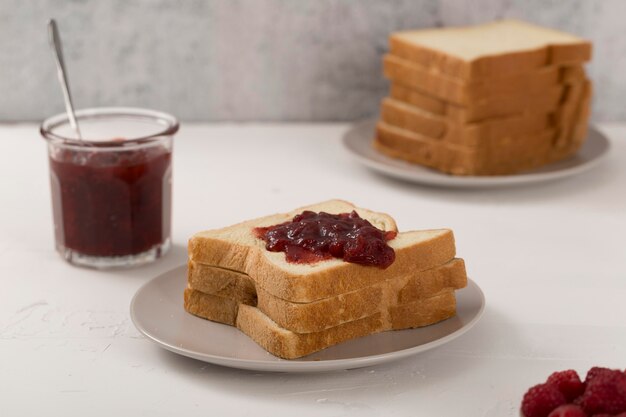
x=312, y=237
x=564, y=394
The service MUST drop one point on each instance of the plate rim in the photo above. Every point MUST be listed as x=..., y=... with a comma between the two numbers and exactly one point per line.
x=436, y=178
x=295, y=366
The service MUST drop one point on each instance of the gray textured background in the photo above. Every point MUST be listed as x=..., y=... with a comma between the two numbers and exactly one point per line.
x=258, y=59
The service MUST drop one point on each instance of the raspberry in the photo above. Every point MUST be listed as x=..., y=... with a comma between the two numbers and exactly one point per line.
x=621, y=385
x=602, y=394
x=568, y=410
x=595, y=372
x=541, y=399
x=568, y=382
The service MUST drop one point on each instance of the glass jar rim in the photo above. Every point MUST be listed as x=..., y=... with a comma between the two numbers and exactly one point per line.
x=170, y=126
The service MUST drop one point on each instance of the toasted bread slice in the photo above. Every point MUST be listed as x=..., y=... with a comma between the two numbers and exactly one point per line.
x=237, y=248
x=290, y=345
x=489, y=51
x=332, y=311
x=547, y=101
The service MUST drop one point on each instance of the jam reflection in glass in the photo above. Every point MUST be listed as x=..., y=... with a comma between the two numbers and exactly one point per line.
x=111, y=204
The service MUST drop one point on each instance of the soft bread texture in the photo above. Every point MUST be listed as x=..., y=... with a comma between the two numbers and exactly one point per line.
x=572, y=112
x=237, y=248
x=397, y=113
x=290, y=345
x=547, y=101
x=332, y=311
x=501, y=98
x=495, y=154
x=293, y=310
x=491, y=50
x=467, y=162
x=212, y=307
x=221, y=282
x=466, y=92
x=571, y=137
x=502, y=155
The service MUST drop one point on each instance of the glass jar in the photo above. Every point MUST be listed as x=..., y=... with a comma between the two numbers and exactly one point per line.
x=112, y=190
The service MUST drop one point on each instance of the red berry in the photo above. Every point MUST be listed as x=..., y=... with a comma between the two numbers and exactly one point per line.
x=602, y=394
x=568, y=382
x=541, y=399
x=621, y=385
x=568, y=410
x=596, y=371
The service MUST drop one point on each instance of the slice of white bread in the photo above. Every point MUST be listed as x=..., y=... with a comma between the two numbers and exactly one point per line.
x=237, y=248
x=508, y=105
x=221, y=282
x=211, y=307
x=466, y=92
x=290, y=345
x=467, y=162
x=572, y=137
x=332, y=311
x=578, y=98
x=491, y=50
x=406, y=116
x=511, y=151
x=500, y=155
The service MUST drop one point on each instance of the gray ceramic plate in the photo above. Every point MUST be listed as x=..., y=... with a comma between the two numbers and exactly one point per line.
x=157, y=311
x=358, y=141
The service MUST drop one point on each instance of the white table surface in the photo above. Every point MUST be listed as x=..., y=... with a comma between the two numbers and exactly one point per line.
x=550, y=258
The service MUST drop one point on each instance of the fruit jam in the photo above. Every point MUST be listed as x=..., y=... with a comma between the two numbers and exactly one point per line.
x=311, y=237
x=109, y=203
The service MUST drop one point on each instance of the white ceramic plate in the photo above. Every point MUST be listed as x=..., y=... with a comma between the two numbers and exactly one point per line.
x=157, y=311
x=358, y=141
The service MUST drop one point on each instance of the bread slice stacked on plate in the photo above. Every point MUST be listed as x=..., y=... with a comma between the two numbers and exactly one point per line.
x=493, y=99
x=295, y=309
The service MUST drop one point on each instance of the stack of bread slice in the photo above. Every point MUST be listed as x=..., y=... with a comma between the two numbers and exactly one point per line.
x=492, y=99
x=293, y=310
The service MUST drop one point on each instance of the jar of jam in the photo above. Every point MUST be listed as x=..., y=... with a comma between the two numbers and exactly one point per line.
x=112, y=189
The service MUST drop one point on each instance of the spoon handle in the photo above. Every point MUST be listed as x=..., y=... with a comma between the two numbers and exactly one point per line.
x=55, y=44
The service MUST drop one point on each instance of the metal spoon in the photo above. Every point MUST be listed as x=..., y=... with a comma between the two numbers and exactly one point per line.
x=55, y=44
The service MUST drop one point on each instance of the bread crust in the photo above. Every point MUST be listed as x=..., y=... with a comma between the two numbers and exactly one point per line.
x=477, y=134
x=236, y=248
x=505, y=155
x=220, y=309
x=221, y=282
x=494, y=65
x=464, y=93
x=332, y=311
x=497, y=155
x=501, y=106
x=291, y=345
